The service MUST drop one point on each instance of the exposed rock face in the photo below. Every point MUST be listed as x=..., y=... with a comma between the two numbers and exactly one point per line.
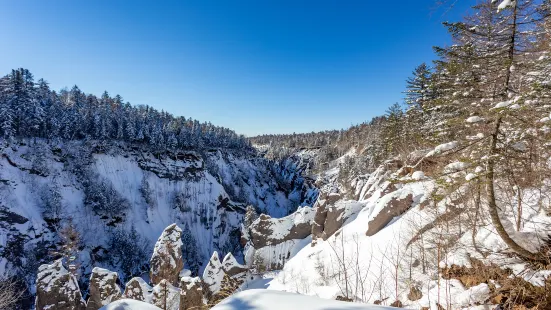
x=331, y=214
x=213, y=274
x=173, y=166
x=191, y=293
x=267, y=231
x=394, y=207
x=166, y=296
x=57, y=288
x=166, y=261
x=137, y=289
x=103, y=288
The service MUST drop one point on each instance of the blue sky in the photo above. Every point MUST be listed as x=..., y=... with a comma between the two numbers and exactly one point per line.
x=254, y=66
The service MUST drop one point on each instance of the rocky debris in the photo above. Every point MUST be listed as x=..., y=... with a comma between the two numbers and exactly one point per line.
x=395, y=206
x=103, y=288
x=231, y=266
x=166, y=261
x=137, y=289
x=166, y=296
x=57, y=288
x=213, y=274
x=191, y=293
x=414, y=293
x=268, y=231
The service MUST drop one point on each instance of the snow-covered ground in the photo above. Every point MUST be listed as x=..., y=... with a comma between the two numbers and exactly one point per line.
x=129, y=304
x=274, y=300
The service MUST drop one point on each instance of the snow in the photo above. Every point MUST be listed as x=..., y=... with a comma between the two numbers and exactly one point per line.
x=474, y=119
x=443, y=148
x=418, y=175
x=456, y=166
x=129, y=304
x=257, y=299
x=505, y=4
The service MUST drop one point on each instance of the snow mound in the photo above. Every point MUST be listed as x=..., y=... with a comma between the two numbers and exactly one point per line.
x=443, y=148
x=129, y=304
x=275, y=300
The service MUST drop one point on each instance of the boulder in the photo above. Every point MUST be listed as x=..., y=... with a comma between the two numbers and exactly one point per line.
x=191, y=293
x=414, y=293
x=57, y=288
x=166, y=261
x=137, y=289
x=103, y=288
x=394, y=206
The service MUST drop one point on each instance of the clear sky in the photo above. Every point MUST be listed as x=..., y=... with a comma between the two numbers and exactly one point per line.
x=256, y=66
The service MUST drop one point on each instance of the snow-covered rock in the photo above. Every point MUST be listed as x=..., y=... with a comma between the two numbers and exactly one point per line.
x=137, y=289
x=392, y=205
x=103, y=288
x=57, y=288
x=331, y=215
x=167, y=262
x=214, y=274
x=266, y=231
x=191, y=293
x=231, y=266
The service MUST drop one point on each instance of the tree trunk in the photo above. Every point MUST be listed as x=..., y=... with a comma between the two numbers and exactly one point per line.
x=492, y=205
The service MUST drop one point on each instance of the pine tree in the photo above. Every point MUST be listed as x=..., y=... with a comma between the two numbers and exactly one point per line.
x=189, y=251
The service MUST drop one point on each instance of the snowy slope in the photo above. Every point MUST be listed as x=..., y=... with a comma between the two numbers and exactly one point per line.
x=397, y=262
x=272, y=300
x=129, y=304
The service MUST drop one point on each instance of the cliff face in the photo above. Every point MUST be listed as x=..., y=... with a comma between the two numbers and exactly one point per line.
x=120, y=197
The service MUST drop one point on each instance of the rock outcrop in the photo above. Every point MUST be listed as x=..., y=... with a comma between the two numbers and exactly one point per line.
x=191, y=293
x=103, y=288
x=137, y=289
x=331, y=214
x=57, y=288
x=268, y=231
x=166, y=261
x=394, y=206
x=213, y=274
x=231, y=266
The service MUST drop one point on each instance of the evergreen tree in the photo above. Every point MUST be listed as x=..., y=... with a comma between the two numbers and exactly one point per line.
x=189, y=251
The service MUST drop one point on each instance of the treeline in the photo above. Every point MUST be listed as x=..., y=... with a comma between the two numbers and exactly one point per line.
x=32, y=109
x=500, y=54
